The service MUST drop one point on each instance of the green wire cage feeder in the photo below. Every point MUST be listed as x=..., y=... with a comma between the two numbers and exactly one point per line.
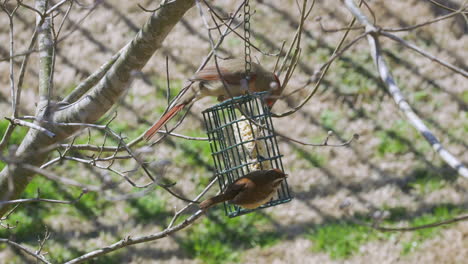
x=242, y=140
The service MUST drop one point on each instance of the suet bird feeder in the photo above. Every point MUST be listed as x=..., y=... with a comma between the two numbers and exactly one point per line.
x=242, y=140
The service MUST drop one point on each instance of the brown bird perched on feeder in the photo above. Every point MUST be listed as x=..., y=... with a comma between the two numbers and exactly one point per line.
x=209, y=82
x=250, y=191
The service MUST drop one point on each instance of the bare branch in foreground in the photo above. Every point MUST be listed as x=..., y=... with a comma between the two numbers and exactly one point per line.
x=168, y=231
x=25, y=249
x=415, y=228
x=137, y=240
x=38, y=199
x=43, y=240
x=324, y=71
x=20, y=122
x=378, y=216
x=54, y=177
x=425, y=54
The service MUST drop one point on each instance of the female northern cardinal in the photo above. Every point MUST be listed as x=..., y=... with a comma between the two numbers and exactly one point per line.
x=250, y=191
x=208, y=82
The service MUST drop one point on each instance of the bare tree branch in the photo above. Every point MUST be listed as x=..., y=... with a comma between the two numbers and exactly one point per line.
x=137, y=240
x=99, y=100
x=92, y=80
x=46, y=45
x=435, y=20
x=415, y=228
x=54, y=177
x=323, y=72
x=19, y=122
x=425, y=53
x=397, y=95
x=25, y=249
x=38, y=199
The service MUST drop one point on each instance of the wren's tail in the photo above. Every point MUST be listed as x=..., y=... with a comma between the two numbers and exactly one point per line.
x=208, y=203
x=162, y=121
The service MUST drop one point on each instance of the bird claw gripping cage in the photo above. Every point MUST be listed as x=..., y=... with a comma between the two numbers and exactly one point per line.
x=242, y=140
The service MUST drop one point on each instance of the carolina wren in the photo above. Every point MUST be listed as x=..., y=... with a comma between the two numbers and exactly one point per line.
x=250, y=191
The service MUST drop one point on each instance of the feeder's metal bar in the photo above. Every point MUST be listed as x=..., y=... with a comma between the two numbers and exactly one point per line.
x=234, y=99
x=242, y=142
x=230, y=150
x=246, y=164
x=236, y=121
x=252, y=140
x=251, y=102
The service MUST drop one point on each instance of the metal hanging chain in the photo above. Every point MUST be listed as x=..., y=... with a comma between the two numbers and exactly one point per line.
x=248, y=59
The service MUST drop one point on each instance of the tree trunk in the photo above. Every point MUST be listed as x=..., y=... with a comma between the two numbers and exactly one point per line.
x=13, y=179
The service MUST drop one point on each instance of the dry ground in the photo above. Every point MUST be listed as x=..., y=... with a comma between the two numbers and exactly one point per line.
x=391, y=166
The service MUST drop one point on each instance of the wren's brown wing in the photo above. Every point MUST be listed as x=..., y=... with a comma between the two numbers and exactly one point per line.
x=232, y=71
x=236, y=187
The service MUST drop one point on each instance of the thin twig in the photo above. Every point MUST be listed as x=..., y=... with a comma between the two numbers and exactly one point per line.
x=24, y=65
x=92, y=80
x=43, y=240
x=322, y=75
x=52, y=9
x=424, y=23
x=233, y=30
x=137, y=240
x=397, y=95
x=38, y=199
x=178, y=213
x=54, y=177
x=163, y=4
x=425, y=54
x=442, y=6
x=25, y=249
x=20, y=122
x=415, y=228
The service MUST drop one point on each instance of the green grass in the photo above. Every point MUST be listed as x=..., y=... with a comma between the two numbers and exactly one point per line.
x=426, y=180
x=329, y=118
x=464, y=97
x=149, y=208
x=176, y=86
x=439, y=213
x=15, y=139
x=393, y=141
x=421, y=96
x=32, y=217
x=465, y=123
x=313, y=157
x=18, y=133
x=341, y=239
x=61, y=251
x=29, y=218
x=126, y=130
x=195, y=152
x=218, y=239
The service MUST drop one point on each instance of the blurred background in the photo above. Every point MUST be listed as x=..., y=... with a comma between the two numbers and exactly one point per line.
x=391, y=169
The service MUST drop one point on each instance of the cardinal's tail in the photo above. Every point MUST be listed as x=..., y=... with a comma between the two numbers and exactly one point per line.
x=162, y=121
